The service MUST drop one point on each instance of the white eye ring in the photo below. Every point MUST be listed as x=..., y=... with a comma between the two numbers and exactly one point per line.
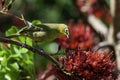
x=66, y=30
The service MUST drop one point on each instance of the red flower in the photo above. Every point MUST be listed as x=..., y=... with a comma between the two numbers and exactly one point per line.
x=89, y=65
x=83, y=65
x=80, y=36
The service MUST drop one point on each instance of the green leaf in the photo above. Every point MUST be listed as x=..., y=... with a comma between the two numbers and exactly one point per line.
x=4, y=50
x=21, y=39
x=15, y=66
x=1, y=58
x=7, y=77
x=28, y=40
x=36, y=22
x=4, y=61
x=23, y=50
x=13, y=60
x=16, y=50
x=12, y=30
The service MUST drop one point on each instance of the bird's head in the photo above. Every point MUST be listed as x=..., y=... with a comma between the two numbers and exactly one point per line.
x=64, y=30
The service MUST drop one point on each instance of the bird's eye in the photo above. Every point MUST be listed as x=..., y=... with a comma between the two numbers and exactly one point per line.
x=66, y=30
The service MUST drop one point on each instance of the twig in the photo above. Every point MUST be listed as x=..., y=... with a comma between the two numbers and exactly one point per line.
x=110, y=37
x=37, y=51
x=8, y=6
x=98, y=25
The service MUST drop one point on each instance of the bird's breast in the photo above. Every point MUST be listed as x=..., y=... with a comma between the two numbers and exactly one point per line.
x=43, y=36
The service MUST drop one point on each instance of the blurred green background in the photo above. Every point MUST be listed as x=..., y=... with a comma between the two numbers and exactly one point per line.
x=59, y=11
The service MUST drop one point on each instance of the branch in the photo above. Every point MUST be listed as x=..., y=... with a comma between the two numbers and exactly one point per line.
x=117, y=18
x=37, y=51
x=8, y=6
x=114, y=5
x=110, y=37
x=98, y=25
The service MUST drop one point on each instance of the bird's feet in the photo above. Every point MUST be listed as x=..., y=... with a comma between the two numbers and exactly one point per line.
x=24, y=44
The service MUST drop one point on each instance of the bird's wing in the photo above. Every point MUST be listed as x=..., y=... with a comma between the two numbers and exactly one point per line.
x=30, y=28
x=33, y=28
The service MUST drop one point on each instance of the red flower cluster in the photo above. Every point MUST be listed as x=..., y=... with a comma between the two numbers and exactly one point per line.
x=80, y=36
x=89, y=65
x=83, y=65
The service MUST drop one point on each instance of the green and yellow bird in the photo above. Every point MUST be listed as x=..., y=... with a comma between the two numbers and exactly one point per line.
x=42, y=32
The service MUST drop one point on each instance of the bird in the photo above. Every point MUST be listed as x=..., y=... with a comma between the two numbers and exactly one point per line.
x=42, y=32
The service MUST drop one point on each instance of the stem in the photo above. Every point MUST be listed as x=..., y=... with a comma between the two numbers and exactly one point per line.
x=110, y=37
x=8, y=6
x=116, y=18
x=97, y=25
x=37, y=51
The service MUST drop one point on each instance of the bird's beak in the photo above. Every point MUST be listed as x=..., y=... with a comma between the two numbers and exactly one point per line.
x=68, y=36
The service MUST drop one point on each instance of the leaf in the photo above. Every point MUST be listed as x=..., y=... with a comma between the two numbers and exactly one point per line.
x=16, y=50
x=28, y=40
x=14, y=56
x=4, y=50
x=15, y=66
x=23, y=50
x=1, y=58
x=7, y=77
x=4, y=61
x=36, y=22
x=12, y=30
